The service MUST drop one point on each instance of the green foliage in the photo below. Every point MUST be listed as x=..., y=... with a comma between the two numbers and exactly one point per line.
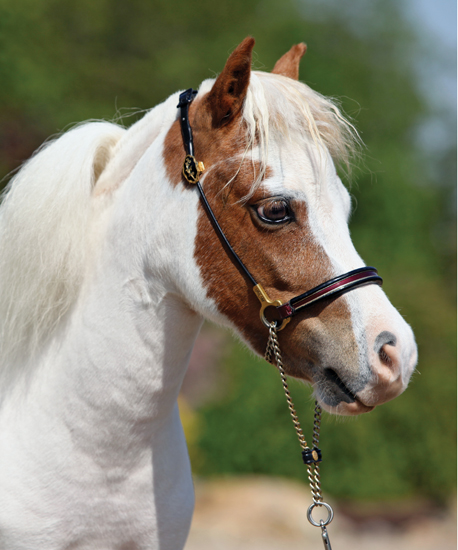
x=65, y=61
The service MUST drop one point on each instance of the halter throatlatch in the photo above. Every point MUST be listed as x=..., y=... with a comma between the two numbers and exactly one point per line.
x=280, y=313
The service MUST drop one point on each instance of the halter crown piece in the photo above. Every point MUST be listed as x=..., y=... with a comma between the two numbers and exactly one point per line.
x=280, y=314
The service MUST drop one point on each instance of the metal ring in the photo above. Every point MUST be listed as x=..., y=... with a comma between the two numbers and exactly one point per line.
x=322, y=523
x=280, y=324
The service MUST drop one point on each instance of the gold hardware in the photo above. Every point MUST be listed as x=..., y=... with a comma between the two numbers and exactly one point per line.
x=266, y=302
x=315, y=455
x=192, y=170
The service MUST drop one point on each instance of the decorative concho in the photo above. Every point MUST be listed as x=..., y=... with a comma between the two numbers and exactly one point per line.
x=192, y=170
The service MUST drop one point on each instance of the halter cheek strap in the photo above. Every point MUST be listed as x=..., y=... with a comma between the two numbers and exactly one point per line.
x=282, y=312
x=192, y=170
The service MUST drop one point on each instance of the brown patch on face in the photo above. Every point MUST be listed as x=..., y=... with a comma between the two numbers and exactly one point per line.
x=287, y=261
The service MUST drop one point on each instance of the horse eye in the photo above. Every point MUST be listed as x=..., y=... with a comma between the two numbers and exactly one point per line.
x=275, y=211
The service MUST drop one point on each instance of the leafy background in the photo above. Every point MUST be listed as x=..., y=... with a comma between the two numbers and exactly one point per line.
x=62, y=61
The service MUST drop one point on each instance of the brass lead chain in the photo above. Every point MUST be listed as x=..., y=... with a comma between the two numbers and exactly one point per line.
x=273, y=350
x=314, y=469
x=273, y=355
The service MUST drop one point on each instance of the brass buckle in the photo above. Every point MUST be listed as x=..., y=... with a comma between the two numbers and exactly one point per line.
x=192, y=170
x=266, y=302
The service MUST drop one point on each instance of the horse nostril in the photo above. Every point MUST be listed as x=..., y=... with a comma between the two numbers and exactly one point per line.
x=385, y=338
x=381, y=347
x=385, y=359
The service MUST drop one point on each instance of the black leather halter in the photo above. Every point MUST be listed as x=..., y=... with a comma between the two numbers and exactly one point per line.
x=282, y=312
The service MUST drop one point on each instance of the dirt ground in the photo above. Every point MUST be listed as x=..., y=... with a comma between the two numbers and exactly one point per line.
x=270, y=514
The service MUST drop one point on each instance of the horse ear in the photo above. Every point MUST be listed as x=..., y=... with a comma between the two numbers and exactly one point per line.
x=226, y=97
x=288, y=64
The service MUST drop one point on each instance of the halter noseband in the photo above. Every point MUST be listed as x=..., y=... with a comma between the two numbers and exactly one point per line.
x=192, y=170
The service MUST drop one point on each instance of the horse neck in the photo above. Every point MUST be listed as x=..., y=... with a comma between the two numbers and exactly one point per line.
x=119, y=362
x=114, y=378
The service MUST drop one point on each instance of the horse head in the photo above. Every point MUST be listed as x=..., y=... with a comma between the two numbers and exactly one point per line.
x=268, y=145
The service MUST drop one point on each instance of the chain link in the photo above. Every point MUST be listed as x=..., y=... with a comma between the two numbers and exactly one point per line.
x=273, y=355
x=314, y=469
x=273, y=351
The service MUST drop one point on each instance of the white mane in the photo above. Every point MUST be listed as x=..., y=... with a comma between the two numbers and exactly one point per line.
x=43, y=232
x=44, y=225
x=282, y=108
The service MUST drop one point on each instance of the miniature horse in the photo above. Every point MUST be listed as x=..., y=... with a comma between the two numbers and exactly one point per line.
x=108, y=266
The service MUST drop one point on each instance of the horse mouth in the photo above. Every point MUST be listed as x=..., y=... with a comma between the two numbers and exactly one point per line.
x=341, y=391
x=337, y=397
